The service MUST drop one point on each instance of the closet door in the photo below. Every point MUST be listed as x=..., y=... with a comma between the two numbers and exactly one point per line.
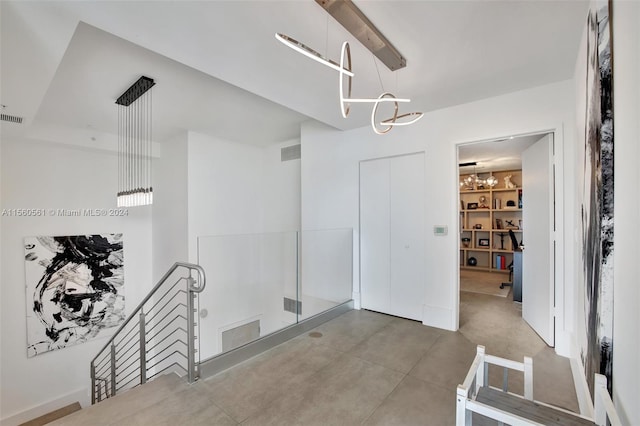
x=374, y=235
x=392, y=235
x=407, y=231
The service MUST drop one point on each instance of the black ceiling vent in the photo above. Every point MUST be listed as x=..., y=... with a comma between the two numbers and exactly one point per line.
x=11, y=118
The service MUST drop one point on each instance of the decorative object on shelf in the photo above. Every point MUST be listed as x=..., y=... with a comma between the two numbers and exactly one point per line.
x=483, y=202
x=465, y=242
x=469, y=182
x=492, y=181
x=472, y=261
x=502, y=234
x=498, y=223
x=472, y=206
x=510, y=204
x=74, y=289
x=520, y=224
x=519, y=198
x=511, y=225
x=507, y=182
x=483, y=242
x=497, y=203
x=134, y=144
x=477, y=226
x=352, y=18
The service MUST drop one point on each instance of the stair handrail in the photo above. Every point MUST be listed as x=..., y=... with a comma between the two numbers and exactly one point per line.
x=194, y=286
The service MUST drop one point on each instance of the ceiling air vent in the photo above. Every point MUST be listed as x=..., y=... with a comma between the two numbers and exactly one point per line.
x=11, y=118
x=290, y=153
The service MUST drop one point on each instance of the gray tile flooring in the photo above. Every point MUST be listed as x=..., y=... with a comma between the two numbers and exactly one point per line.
x=367, y=368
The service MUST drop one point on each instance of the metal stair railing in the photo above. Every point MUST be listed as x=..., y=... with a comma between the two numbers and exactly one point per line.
x=159, y=336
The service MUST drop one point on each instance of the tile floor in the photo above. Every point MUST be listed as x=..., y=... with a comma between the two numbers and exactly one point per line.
x=367, y=368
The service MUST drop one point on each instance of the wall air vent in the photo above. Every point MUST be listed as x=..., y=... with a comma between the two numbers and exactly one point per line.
x=293, y=306
x=289, y=153
x=11, y=118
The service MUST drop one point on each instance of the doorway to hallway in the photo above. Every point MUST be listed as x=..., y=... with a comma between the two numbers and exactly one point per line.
x=513, y=182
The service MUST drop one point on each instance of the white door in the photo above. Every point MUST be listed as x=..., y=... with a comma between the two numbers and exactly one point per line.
x=538, y=285
x=392, y=235
x=374, y=235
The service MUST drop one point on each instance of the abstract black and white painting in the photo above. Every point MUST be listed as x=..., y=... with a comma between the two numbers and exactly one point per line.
x=74, y=289
x=597, y=200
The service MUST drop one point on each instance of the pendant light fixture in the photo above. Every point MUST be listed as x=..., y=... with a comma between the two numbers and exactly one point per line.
x=353, y=20
x=344, y=69
x=134, y=144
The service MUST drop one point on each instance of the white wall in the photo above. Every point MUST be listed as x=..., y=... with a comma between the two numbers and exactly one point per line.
x=235, y=190
x=170, y=205
x=330, y=173
x=280, y=189
x=626, y=110
x=224, y=189
x=50, y=176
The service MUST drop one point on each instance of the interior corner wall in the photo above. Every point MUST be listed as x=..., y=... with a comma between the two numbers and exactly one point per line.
x=44, y=175
x=626, y=110
x=330, y=174
x=280, y=190
x=170, y=202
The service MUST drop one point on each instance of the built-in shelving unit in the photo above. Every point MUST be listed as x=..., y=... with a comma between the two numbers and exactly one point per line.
x=484, y=228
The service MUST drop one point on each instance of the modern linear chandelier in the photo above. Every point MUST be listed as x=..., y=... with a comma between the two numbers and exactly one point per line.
x=134, y=144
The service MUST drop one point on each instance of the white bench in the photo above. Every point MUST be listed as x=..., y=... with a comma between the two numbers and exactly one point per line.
x=475, y=395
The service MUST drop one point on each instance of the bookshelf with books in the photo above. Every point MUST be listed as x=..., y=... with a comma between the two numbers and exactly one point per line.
x=487, y=213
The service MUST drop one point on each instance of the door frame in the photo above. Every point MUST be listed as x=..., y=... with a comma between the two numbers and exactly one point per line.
x=562, y=337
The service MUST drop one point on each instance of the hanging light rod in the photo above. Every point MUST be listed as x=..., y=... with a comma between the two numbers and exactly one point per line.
x=354, y=21
x=405, y=121
x=375, y=100
x=310, y=53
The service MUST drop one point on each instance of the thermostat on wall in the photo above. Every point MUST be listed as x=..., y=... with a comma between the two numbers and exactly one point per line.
x=440, y=230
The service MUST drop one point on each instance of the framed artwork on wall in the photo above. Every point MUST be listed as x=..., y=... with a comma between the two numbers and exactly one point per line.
x=74, y=289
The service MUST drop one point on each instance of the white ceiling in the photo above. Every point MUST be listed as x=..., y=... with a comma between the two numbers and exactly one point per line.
x=503, y=154
x=55, y=71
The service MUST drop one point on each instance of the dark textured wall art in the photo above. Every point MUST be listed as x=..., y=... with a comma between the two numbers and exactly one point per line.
x=597, y=200
x=74, y=289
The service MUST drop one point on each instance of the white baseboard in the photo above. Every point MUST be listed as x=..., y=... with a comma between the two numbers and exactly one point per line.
x=434, y=316
x=80, y=395
x=582, y=388
x=564, y=344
